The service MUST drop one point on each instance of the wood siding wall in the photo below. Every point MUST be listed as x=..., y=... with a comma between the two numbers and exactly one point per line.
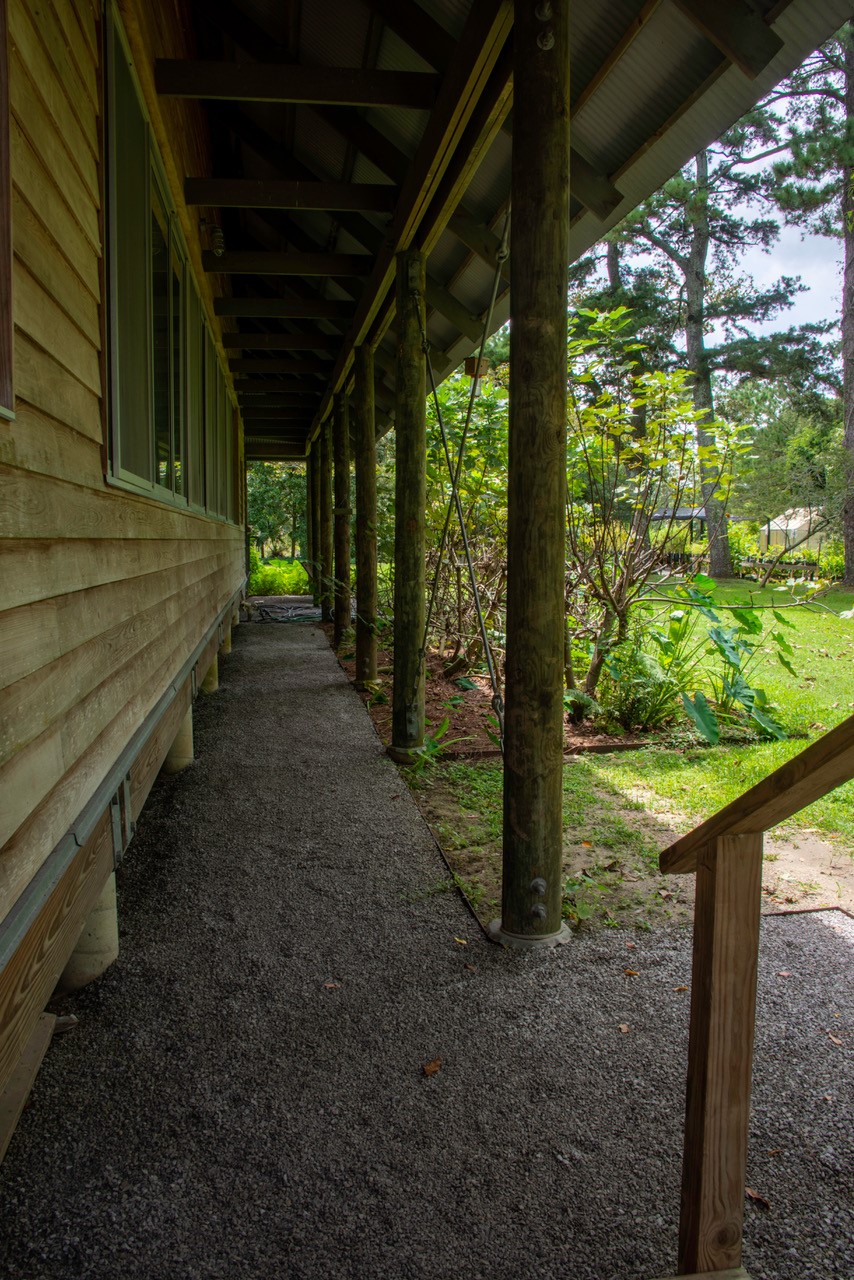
x=103, y=594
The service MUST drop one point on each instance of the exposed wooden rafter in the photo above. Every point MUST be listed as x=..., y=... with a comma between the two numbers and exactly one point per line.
x=737, y=30
x=414, y=26
x=249, y=365
x=284, y=308
x=281, y=341
x=253, y=193
x=271, y=263
x=268, y=82
x=276, y=386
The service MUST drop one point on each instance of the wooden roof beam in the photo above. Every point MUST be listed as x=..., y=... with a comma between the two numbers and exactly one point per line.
x=478, y=237
x=276, y=415
x=594, y=190
x=305, y=404
x=295, y=84
x=240, y=365
x=277, y=386
x=469, y=108
x=284, y=308
x=417, y=29
x=441, y=300
x=281, y=341
x=251, y=193
x=271, y=263
x=737, y=30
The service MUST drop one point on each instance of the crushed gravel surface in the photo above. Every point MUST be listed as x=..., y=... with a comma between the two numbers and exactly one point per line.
x=244, y=1096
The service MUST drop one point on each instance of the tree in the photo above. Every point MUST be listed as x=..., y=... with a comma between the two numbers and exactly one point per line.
x=675, y=261
x=812, y=186
x=632, y=463
x=276, y=502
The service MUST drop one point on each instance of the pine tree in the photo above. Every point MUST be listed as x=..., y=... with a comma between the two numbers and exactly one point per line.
x=812, y=186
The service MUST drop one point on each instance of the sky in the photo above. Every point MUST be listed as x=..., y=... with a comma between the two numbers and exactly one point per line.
x=817, y=260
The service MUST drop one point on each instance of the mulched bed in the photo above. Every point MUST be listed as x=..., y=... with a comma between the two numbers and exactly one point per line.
x=468, y=711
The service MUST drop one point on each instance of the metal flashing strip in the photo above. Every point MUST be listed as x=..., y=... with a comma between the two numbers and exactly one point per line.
x=113, y=794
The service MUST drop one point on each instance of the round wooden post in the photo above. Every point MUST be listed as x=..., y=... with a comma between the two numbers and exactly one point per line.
x=309, y=519
x=326, y=538
x=366, y=518
x=341, y=440
x=315, y=519
x=533, y=744
x=410, y=462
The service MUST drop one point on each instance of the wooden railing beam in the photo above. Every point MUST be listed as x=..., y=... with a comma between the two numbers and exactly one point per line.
x=720, y=1053
x=821, y=767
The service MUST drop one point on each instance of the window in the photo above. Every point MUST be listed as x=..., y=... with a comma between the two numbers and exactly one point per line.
x=7, y=400
x=168, y=389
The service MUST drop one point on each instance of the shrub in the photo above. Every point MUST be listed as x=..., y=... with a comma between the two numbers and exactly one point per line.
x=285, y=578
x=831, y=560
x=637, y=691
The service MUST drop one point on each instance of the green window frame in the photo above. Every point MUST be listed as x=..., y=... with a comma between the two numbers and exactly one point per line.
x=167, y=386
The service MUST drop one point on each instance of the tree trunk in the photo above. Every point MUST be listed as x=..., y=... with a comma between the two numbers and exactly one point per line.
x=720, y=560
x=848, y=328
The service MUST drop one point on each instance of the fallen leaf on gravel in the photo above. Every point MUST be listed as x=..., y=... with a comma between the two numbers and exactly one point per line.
x=684, y=987
x=665, y=894
x=625, y=1028
x=471, y=968
x=774, y=1152
x=756, y=1197
x=631, y=973
x=430, y=1068
x=784, y=973
x=586, y=844
x=463, y=942
x=827, y=1097
x=331, y=986
x=630, y=946
x=833, y=1038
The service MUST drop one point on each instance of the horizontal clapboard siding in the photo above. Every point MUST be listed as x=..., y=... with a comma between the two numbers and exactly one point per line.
x=104, y=595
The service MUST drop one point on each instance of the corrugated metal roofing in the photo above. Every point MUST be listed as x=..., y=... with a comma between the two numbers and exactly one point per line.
x=648, y=91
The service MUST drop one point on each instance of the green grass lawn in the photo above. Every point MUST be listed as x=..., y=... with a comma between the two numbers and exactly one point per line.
x=698, y=780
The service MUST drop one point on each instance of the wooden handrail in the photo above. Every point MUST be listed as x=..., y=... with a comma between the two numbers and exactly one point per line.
x=821, y=767
x=726, y=853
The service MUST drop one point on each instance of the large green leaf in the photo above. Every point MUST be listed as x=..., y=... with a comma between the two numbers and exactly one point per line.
x=703, y=716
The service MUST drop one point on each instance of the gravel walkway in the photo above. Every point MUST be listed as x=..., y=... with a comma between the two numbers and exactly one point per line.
x=244, y=1098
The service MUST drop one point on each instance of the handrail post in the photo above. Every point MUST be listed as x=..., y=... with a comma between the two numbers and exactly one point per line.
x=720, y=1053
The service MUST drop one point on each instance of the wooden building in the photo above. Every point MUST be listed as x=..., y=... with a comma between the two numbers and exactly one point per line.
x=222, y=223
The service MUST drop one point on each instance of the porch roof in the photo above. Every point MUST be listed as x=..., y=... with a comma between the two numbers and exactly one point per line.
x=347, y=130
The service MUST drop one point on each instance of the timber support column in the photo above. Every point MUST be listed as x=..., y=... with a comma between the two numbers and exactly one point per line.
x=309, y=520
x=341, y=442
x=533, y=745
x=410, y=464
x=315, y=520
x=326, y=535
x=181, y=753
x=365, y=440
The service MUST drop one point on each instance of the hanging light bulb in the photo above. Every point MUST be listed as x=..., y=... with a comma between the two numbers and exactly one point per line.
x=215, y=235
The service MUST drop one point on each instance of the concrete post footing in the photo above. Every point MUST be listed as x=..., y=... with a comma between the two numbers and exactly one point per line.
x=98, y=944
x=210, y=684
x=180, y=754
x=527, y=941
